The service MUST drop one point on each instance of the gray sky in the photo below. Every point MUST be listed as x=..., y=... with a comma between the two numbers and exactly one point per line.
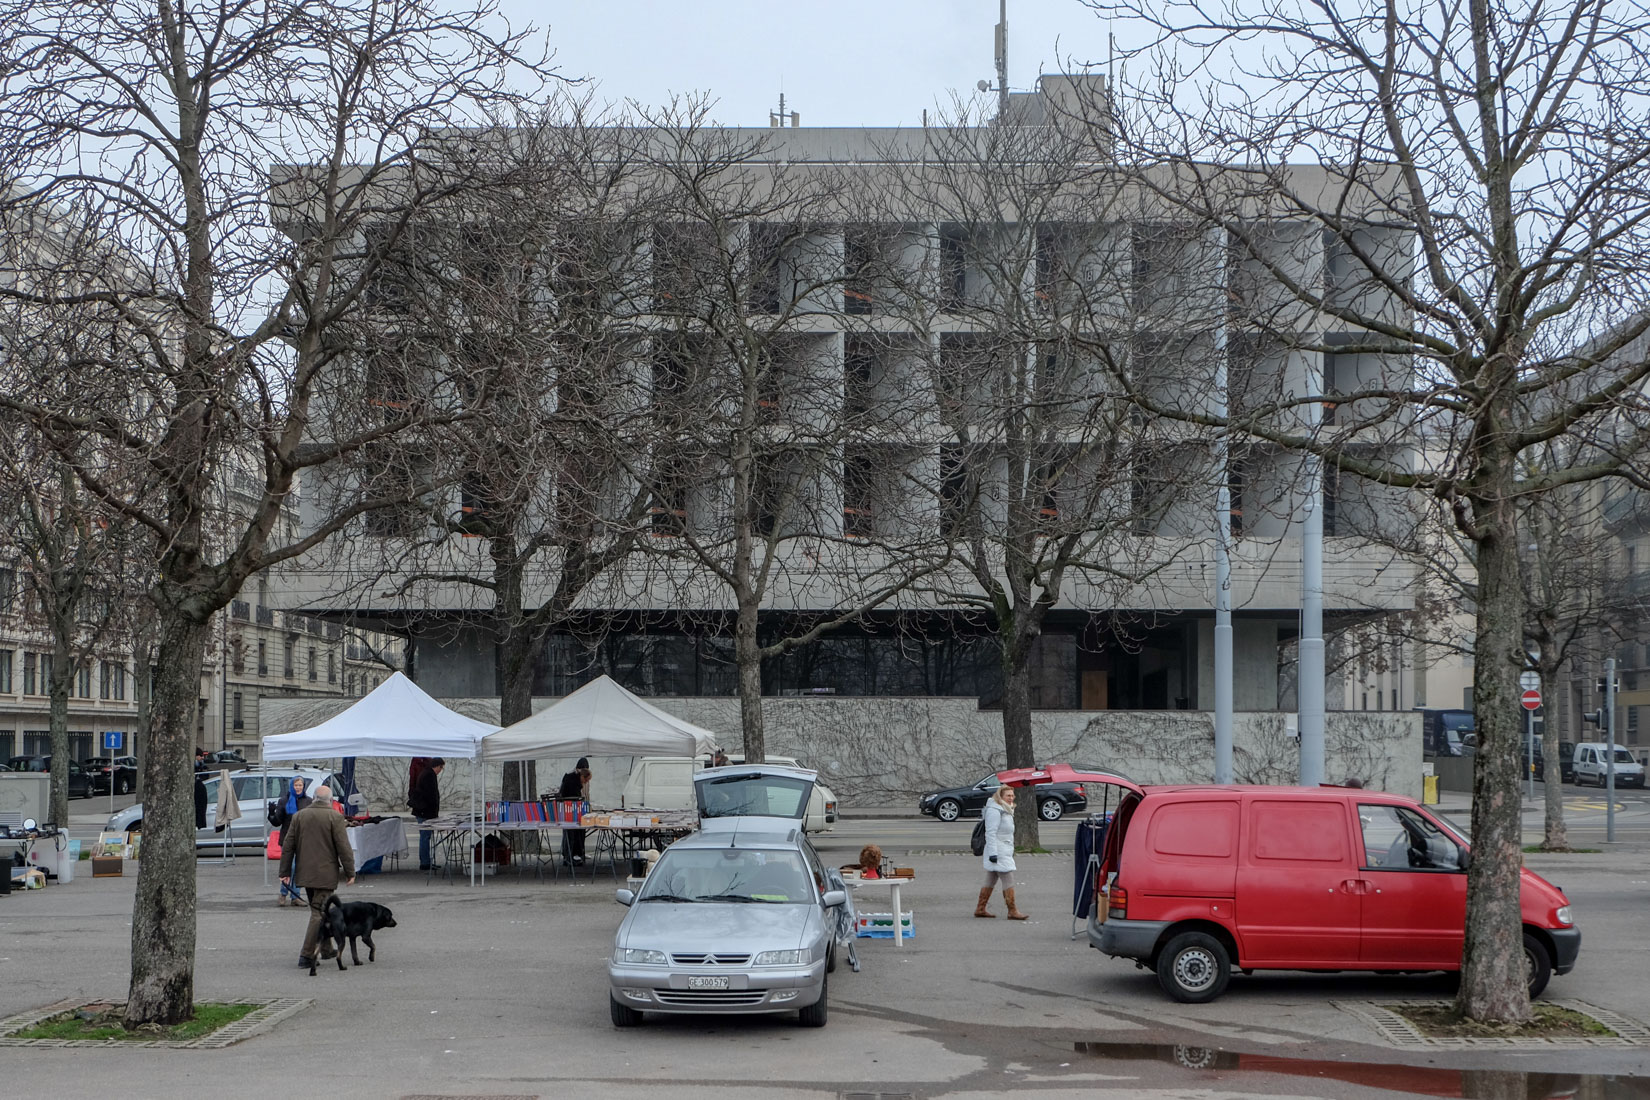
x=840, y=62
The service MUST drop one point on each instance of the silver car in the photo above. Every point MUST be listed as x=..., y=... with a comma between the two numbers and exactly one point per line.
x=739, y=917
x=253, y=792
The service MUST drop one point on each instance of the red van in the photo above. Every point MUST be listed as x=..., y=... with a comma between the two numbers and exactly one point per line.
x=1202, y=879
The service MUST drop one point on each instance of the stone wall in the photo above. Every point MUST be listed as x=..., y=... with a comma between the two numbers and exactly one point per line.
x=878, y=752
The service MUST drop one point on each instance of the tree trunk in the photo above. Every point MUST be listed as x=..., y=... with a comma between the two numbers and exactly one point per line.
x=163, y=912
x=1555, y=834
x=747, y=655
x=1493, y=988
x=515, y=658
x=58, y=723
x=143, y=696
x=1017, y=744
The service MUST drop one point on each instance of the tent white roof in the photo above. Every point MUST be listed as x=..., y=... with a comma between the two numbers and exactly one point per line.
x=599, y=719
x=395, y=719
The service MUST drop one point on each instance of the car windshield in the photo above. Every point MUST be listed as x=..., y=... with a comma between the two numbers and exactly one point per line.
x=769, y=876
x=753, y=795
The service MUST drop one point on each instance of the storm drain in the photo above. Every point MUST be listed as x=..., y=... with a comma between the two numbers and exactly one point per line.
x=1398, y=1031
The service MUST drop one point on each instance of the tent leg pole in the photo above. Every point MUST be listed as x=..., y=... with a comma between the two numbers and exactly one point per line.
x=264, y=763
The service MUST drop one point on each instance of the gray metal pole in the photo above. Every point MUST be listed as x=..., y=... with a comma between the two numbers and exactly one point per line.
x=1223, y=572
x=1610, y=749
x=1310, y=693
x=1529, y=752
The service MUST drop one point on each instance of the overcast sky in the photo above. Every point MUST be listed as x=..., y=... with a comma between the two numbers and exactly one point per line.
x=839, y=62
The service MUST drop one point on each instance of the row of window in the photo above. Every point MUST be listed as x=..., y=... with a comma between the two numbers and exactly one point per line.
x=289, y=656
x=36, y=676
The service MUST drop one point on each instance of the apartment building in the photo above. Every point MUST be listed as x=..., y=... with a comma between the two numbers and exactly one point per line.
x=856, y=339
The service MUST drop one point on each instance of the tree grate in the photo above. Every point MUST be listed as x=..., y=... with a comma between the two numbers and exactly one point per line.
x=1399, y=1032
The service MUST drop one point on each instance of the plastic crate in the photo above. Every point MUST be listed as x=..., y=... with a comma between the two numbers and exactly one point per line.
x=880, y=926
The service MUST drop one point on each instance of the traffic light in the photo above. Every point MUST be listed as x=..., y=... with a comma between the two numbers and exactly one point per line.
x=1595, y=717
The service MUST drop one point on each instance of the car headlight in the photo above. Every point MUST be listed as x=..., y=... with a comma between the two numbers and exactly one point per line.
x=640, y=955
x=792, y=957
x=1563, y=915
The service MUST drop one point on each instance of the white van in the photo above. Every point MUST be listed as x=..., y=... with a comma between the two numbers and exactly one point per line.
x=666, y=783
x=1591, y=765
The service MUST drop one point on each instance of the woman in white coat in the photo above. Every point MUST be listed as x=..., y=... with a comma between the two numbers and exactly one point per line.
x=999, y=853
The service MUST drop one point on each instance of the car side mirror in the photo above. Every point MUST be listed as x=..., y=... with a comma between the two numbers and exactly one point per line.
x=835, y=898
x=624, y=897
x=1463, y=859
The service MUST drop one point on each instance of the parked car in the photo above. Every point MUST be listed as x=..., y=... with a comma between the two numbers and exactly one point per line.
x=666, y=783
x=1590, y=766
x=1054, y=800
x=80, y=782
x=738, y=917
x=252, y=796
x=1447, y=732
x=118, y=773
x=1198, y=880
x=223, y=760
x=1566, y=762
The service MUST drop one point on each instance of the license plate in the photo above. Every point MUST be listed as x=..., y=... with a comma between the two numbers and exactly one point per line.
x=708, y=983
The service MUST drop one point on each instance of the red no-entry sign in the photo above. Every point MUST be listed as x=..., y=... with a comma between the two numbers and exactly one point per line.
x=1531, y=700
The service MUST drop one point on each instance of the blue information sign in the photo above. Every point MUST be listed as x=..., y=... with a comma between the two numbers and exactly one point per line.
x=113, y=740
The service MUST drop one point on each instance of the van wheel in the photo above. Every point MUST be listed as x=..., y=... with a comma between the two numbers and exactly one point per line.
x=1193, y=968
x=623, y=1015
x=1538, y=965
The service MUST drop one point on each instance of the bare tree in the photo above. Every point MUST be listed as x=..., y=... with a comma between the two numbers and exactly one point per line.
x=1478, y=173
x=1049, y=490
x=166, y=122
x=763, y=461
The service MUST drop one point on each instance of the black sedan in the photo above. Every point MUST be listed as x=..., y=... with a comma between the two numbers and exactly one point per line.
x=117, y=772
x=1054, y=800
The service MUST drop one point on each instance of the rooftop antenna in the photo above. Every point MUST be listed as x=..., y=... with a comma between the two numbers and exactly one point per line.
x=1002, y=59
x=777, y=121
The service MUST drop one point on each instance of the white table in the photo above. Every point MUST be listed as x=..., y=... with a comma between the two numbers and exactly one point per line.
x=374, y=839
x=892, y=885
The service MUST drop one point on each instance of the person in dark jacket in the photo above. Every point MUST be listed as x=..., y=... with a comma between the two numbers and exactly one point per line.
x=575, y=787
x=425, y=804
x=317, y=857
x=200, y=800
x=284, y=810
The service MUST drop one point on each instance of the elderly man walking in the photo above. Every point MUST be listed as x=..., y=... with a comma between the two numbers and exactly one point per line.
x=318, y=839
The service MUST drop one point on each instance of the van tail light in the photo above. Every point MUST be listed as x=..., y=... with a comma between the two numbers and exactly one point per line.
x=1117, y=907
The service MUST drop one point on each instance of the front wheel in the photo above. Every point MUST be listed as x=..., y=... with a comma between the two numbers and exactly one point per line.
x=623, y=1015
x=815, y=1014
x=1193, y=968
x=830, y=958
x=948, y=809
x=1051, y=809
x=1538, y=965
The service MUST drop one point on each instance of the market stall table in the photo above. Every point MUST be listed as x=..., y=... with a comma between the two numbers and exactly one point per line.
x=892, y=885
x=378, y=839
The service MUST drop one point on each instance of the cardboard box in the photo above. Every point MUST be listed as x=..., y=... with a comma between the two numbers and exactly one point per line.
x=107, y=867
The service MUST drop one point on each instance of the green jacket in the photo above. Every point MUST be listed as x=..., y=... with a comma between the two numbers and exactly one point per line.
x=318, y=841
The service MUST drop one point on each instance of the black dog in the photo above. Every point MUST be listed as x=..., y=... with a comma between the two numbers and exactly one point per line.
x=349, y=920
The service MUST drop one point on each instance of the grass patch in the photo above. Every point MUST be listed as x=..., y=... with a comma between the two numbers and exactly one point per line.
x=1536, y=849
x=103, y=1021
x=1550, y=1021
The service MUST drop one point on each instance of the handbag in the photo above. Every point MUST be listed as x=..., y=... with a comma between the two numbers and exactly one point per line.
x=272, y=850
x=976, y=842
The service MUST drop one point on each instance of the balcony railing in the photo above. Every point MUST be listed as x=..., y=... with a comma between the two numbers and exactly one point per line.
x=266, y=616
x=240, y=609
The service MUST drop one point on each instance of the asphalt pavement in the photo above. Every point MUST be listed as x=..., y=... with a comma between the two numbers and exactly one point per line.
x=501, y=990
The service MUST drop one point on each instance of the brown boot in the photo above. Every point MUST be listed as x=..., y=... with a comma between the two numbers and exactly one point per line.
x=985, y=896
x=1013, y=910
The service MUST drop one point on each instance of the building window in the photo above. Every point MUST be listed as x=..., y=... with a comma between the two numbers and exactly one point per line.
x=332, y=668
x=112, y=680
x=8, y=590
x=314, y=665
x=263, y=658
x=83, y=680
x=5, y=671
x=349, y=684
x=29, y=662
x=287, y=668
x=235, y=713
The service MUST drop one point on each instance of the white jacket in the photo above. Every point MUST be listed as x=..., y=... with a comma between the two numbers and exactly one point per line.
x=999, y=837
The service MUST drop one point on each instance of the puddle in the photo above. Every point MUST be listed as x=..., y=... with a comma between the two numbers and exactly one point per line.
x=1471, y=1084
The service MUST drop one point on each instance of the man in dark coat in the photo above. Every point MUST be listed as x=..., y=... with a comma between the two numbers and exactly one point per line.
x=319, y=841
x=575, y=786
x=200, y=800
x=425, y=804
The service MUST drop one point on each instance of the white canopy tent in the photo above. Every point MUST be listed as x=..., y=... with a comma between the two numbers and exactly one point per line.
x=599, y=719
x=396, y=718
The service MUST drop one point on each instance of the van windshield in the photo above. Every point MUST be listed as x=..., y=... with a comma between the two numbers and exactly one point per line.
x=753, y=795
